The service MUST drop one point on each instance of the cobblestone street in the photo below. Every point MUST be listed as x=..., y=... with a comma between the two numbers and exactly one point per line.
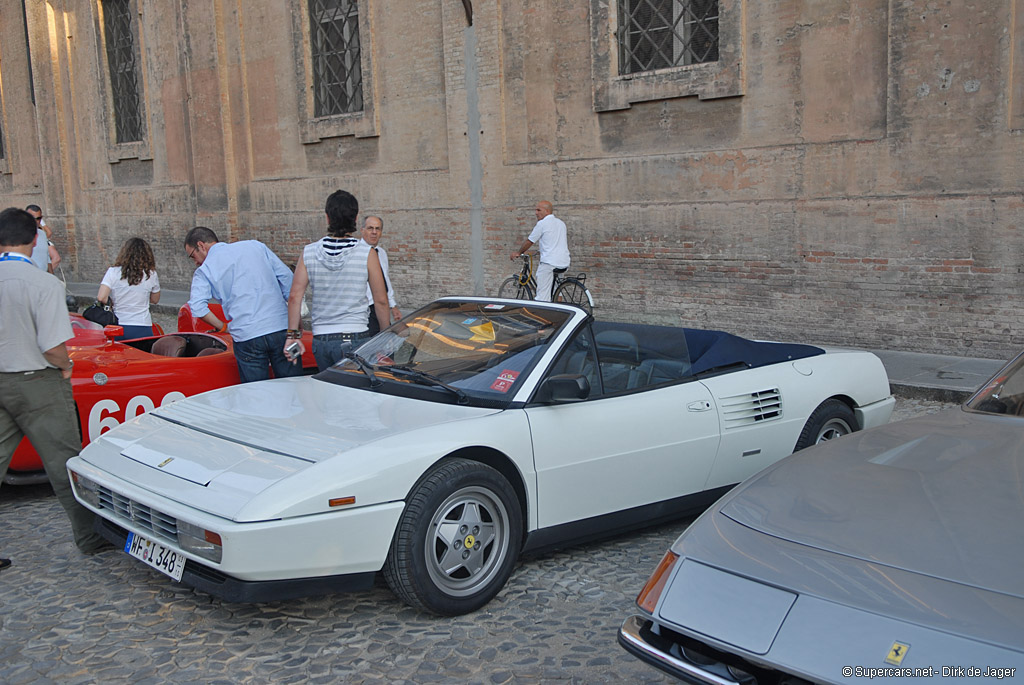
x=68, y=618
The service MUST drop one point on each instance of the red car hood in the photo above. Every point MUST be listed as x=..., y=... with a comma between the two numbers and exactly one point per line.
x=941, y=495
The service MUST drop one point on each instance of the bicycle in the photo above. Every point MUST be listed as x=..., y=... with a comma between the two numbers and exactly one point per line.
x=565, y=289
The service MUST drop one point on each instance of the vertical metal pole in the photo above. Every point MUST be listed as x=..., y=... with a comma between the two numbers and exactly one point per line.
x=476, y=173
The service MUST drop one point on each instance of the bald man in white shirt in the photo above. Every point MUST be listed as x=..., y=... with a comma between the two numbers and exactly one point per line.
x=552, y=242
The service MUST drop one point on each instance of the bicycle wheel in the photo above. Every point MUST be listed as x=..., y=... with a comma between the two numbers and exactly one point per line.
x=513, y=289
x=572, y=291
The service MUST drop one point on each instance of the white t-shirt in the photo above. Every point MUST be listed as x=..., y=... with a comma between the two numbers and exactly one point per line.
x=383, y=257
x=131, y=302
x=549, y=236
x=41, y=251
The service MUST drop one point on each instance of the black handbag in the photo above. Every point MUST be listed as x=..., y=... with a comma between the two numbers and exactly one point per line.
x=100, y=313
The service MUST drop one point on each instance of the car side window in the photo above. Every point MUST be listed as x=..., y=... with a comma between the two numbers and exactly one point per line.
x=579, y=358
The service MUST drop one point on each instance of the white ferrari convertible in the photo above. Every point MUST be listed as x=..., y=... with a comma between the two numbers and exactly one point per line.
x=466, y=434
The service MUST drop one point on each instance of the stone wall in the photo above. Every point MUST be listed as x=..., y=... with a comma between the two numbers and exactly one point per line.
x=850, y=173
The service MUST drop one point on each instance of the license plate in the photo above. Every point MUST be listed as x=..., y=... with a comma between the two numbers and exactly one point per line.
x=161, y=558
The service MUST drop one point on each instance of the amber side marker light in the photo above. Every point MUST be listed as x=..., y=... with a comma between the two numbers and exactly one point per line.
x=341, y=501
x=648, y=597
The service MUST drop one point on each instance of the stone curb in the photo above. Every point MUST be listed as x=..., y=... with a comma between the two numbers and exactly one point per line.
x=924, y=392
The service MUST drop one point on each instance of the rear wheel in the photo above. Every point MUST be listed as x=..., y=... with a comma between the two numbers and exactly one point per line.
x=572, y=291
x=832, y=419
x=513, y=289
x=457, y=541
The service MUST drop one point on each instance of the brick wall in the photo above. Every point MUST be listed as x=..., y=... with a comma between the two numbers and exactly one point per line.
x=862, y=188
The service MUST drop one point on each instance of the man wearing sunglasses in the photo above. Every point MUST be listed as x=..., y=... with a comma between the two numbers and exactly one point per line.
x=44, y=254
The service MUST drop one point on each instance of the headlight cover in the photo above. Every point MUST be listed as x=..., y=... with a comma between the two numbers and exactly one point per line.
x=199, y=541
x=87, y=490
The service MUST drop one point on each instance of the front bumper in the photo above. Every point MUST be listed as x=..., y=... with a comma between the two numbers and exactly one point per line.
x=344, y=543
x=231, y=589
x=639, y=637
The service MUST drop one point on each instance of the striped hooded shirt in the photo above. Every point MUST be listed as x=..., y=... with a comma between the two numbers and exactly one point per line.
x=337, y=279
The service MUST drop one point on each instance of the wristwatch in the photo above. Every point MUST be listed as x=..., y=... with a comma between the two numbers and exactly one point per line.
x=71, y=365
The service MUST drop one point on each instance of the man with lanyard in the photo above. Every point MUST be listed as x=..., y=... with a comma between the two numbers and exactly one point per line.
x=35, y=371
x=552, y=242
x=252, y=284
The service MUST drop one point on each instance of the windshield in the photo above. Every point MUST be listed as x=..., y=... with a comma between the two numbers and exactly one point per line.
x=1004, y=394
x=464, y=350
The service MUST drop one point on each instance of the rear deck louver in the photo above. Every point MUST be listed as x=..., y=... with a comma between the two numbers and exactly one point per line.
x=749, y=408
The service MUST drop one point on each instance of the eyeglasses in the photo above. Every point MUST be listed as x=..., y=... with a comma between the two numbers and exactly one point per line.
x=192, y=254
x=39, y=218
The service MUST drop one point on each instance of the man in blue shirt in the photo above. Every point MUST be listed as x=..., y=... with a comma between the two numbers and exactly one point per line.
x=252, y=284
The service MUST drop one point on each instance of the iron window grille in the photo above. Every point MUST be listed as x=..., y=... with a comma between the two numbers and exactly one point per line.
x=655, y=34
x=337, y=73
x=123, y=63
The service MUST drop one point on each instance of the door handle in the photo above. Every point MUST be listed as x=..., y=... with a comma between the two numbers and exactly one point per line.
x=702, y=405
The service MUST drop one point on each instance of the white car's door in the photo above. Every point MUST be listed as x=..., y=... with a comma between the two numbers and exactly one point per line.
x=606, y=454
x=762, y=415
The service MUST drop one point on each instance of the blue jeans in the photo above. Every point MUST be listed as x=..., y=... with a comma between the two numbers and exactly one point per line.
x=257, y=356
x=329, y=348
x=133, y=332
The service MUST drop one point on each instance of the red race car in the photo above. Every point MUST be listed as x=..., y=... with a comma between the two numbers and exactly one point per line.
x=113, y=381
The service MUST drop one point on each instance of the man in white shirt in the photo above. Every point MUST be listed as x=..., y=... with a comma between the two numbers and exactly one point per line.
x=373, y=228
x=550, y=236
x=44, y=254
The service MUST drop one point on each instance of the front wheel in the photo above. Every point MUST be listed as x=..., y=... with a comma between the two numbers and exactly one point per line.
x=513, y=289
x=572, y=291
x=832, y=419
x=457, y=541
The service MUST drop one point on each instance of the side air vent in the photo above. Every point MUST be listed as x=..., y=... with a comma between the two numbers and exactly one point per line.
x=748, y=409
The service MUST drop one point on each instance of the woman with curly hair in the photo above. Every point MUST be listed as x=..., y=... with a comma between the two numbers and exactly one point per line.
x=134, y=285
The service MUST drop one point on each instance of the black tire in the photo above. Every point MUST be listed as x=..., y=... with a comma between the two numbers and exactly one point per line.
x=513, y=289
x=572, y=291
x=832, y=419
x=457, y=541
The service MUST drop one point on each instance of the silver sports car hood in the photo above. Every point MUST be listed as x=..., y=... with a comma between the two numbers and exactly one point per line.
x=926, y=495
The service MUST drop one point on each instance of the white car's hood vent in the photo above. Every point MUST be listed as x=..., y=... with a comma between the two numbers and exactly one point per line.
x=750, y=408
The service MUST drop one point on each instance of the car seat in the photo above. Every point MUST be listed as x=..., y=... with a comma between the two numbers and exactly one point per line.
x=169, y=346
x=655, y=371
x=618, y=354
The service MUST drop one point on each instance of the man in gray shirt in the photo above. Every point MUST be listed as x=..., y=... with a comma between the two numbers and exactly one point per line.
x=35, y=371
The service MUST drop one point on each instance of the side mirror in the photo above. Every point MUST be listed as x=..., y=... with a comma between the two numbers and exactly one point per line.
x=111, y=332
x=566, y=387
